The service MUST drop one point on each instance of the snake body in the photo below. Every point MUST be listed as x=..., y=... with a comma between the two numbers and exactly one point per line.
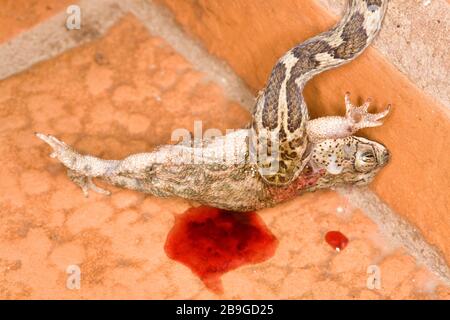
x=281, y=113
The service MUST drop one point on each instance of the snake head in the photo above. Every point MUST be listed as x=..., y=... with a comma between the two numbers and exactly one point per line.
x=351, y=160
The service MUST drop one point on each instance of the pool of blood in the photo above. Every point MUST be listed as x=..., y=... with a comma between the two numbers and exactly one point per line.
x=212, y=242
x=336, y=240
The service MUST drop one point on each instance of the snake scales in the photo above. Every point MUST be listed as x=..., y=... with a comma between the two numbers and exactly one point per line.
x=281, y=111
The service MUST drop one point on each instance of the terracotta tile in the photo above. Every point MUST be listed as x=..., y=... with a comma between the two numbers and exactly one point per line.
x=118, y=242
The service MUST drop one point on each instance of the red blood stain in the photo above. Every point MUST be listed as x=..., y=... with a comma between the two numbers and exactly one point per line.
x=307, y=179
x=212, y=242
x=337, y=240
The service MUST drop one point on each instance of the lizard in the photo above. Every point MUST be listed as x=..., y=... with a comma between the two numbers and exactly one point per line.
x=280, y=155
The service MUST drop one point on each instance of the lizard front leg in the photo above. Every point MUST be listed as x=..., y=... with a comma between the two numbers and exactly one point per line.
x=356, y=118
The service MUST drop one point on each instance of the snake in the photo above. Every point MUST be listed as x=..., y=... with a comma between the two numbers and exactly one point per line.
x=281, y=110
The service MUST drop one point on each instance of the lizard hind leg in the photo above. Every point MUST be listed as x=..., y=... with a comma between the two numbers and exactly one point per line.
x=85, y=183
x=359, y=117
x=80, y=168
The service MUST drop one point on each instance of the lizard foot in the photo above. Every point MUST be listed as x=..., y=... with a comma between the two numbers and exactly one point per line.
x=360, y=118
x=78, y=166
x=85, y=183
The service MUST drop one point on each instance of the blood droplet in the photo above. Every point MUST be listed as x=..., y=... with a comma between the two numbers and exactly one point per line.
x=336, y=240
x=212, y=242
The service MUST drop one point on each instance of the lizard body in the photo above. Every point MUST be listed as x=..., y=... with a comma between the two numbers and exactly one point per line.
x=236, y=171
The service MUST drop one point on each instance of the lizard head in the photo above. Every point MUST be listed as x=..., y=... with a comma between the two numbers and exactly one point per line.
x=351, y=160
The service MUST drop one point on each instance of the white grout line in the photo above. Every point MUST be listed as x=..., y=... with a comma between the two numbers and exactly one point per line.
x=51, y=37
x=159, y=21
x=398, y=230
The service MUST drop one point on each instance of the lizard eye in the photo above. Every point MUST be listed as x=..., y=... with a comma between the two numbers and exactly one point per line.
x=367, y=156
x=365, y=160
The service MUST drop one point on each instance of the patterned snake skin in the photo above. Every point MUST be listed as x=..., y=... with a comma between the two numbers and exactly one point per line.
x=281, y=113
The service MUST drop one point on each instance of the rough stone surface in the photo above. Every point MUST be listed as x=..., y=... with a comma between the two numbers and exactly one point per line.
x=415, y=38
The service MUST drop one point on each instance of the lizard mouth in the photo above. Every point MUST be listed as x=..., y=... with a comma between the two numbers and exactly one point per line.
x=385, y=157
